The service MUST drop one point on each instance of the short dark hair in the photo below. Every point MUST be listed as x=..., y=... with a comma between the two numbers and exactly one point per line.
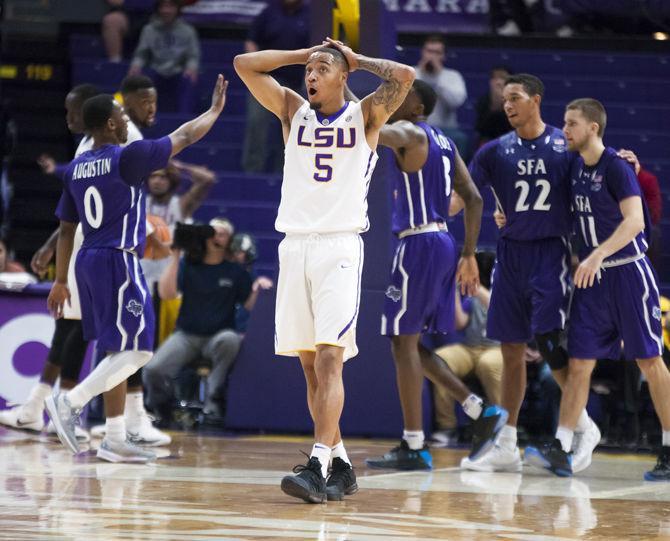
x=435, y=38
x=133, y=83
x=531, y=84
x=158, y=3
x=426, y=94
x=337, y=55
x=83, y=92
x=97, y=111
x=509, y=71
x=593, y=111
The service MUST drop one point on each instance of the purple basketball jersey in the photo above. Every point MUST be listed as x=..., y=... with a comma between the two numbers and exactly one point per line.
x=596, y=194
x=103, y=189
x=423, y=197
x=530, y=180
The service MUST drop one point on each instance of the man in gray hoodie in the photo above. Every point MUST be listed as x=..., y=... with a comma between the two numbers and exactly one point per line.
x=169, y=53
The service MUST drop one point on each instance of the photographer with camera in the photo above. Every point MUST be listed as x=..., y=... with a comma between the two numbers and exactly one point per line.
x=211, y=286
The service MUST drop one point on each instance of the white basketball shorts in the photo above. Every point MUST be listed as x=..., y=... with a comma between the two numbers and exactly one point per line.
x=73, y=309
x=318, y=292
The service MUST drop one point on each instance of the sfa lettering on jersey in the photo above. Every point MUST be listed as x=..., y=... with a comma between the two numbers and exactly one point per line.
x=531, y=167
x=93, y=168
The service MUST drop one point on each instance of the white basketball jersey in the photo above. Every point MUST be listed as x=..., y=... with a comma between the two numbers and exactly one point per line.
x=327, y=169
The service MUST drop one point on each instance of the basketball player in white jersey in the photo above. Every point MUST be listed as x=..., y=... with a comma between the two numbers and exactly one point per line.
x=330, y=155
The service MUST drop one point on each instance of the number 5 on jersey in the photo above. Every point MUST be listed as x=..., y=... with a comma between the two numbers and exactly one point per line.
x=324, y=171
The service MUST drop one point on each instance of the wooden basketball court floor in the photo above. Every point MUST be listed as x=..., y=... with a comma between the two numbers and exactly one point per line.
x=207, y=488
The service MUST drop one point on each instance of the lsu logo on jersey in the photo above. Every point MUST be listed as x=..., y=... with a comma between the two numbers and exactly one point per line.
x=326, y=137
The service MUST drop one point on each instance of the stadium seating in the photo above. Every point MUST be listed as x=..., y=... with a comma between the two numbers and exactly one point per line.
x=634, y=87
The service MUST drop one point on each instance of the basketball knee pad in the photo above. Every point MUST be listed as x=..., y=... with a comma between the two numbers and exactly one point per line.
x=549, y=345
x=120, y=366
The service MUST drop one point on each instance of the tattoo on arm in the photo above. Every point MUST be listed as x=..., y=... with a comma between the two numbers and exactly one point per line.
x=393, y=90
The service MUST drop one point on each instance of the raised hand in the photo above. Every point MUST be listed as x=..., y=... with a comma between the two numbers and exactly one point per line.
x=219, y=94
x=47, y=164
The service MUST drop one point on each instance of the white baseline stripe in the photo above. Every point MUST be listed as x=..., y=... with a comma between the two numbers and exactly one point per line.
x=405, y=284
x=422, y=195
x=410, y=206
x=645, y=298
x=137, y=222
x=119, y=310
x=138, y=281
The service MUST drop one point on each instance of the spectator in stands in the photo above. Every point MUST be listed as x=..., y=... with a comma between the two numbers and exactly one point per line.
x=474, y=354
x=244, y=252
x=210, y=290
x=114, y=29
x=515, y=17
x=281, y=25
x=169, y=52
x=8, y=140
x=450, y=88
x=163, y=202
x=491, y=121
x=7, y=264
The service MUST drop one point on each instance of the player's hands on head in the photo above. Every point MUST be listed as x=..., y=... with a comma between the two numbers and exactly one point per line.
x=58, y=296
x=630, y=157
x=40, y=261
x=467, y=275
x=349, y=54
x=219, y=94
x=499, y=218
x=588, y=270
x=47, y=164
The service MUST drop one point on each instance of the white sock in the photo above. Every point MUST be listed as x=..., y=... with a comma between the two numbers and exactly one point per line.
x=322, y=452
x=507, y=437
x=584, y=422
x=340, y=452
x=564, y=435
x=134, y=410
x=414, y=439
x=472, y=406
x=111, y=371
x=38, y=395
x=666, y=438
x=116, y=429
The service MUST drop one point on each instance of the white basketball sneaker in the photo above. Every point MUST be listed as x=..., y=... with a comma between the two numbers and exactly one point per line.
x=23, y=418
x=496, y=459
x=147, y=434
x=583, y=446
x=82, y=435
x=123, y=452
